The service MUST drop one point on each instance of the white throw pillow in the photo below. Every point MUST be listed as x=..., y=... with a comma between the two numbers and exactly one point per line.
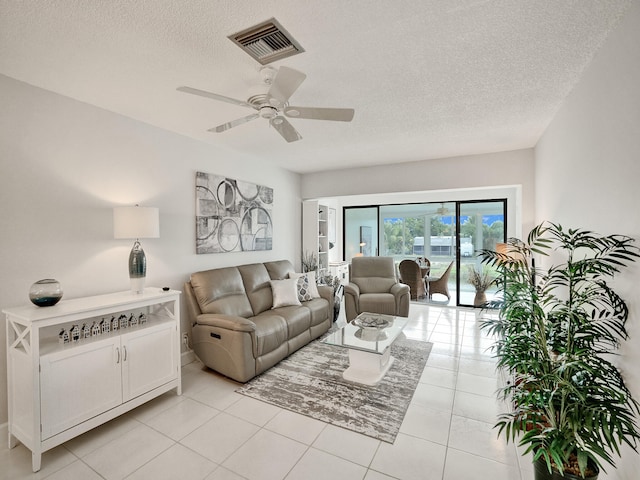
x=285, y=292
x=307, y=287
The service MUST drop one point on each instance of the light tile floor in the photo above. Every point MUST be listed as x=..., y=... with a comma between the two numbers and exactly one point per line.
x=213, y=433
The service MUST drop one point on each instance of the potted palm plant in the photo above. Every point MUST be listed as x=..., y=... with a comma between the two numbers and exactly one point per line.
x=555, y=332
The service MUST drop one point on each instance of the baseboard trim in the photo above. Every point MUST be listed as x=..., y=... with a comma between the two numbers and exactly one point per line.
x=187, y=357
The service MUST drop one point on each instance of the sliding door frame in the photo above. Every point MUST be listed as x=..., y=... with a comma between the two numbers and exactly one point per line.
x=458, y=204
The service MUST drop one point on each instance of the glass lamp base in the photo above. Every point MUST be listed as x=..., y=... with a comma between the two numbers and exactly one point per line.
x=137, y=268
x=137, y=285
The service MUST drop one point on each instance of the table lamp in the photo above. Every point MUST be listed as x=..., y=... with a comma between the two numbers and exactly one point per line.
x=136, y=222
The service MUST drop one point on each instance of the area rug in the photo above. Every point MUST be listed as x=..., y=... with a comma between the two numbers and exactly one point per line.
x=310, y=382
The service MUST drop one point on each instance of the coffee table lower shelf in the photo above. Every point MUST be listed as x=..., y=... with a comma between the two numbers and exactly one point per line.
x=366, y=367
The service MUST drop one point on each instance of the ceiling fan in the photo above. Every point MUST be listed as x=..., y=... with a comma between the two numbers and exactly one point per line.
x=272, y=102
x=442, y=210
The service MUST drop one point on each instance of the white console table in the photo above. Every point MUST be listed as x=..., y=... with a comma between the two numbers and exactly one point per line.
x=60, y=390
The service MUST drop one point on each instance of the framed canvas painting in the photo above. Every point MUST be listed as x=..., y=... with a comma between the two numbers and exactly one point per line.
x=232, y=215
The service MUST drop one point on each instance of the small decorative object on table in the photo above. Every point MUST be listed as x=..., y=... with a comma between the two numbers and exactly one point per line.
x=45, y=293
x=75, y=333
x=85, y=331
x=372, y=320
x=63, y=336
x=371, y=326
x=95, y=329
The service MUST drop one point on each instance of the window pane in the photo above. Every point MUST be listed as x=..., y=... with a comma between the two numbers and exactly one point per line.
x=360, y=232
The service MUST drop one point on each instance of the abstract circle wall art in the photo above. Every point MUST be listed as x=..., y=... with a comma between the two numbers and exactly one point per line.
x=232, y=215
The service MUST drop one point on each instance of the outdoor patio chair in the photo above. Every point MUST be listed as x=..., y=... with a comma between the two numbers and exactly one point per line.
x=411, y=274
x=439, y=285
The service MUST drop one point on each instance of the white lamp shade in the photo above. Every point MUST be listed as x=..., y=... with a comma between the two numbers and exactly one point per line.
x=136, y=222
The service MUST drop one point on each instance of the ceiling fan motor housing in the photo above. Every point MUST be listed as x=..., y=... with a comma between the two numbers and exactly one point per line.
x=269, y=112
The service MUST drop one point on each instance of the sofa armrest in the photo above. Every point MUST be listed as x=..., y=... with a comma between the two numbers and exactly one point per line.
x=351, y=301
x=229, y=322
x=402, y=294
x=326, y=292
x=193, y=309
x=400, y=289
x=352, y=289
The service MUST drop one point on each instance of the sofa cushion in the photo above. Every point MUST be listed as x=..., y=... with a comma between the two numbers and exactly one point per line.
x=279, y=269
x=221, y=291
x=374, y=284
x=256, y=284
x=378, y=302
x=307, y=287
x=271, y=332
x=285, y=293
x=298, y=319
x=319, y=309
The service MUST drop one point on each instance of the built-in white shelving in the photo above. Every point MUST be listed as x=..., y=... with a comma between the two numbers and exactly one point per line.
x=315, y=232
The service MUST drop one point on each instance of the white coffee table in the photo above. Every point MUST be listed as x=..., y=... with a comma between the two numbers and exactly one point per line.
x=369, y=348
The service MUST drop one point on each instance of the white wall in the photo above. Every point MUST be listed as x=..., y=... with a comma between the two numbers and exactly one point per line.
x=65, y=165
x=587, y=173
x=446, y=179
x=507, y=175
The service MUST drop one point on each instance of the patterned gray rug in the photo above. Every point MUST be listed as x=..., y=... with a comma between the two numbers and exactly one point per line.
x=310, y=382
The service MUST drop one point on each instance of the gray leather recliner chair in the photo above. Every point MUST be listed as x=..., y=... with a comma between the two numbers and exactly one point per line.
x=373, y=287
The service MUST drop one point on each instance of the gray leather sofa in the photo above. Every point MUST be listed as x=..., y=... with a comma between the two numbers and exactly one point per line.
x=234, y=329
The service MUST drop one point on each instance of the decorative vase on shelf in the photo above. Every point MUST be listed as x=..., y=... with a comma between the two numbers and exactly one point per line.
x=45, y=292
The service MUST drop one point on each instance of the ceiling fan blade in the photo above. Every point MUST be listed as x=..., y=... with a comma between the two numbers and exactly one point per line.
x=214, y=96
x=285, y=83
x=285, y=129
x=313, y=113
x=234, y=123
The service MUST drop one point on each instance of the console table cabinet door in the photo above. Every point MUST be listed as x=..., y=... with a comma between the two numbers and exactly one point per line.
x=79, y=383
x=149, y=359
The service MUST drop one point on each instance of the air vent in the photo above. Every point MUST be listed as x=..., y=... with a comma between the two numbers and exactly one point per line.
x=267, y=42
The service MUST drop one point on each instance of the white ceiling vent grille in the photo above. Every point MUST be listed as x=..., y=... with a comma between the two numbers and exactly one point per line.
x=267, y=42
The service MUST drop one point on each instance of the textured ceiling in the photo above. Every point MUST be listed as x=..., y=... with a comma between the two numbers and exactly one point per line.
x=427, y=78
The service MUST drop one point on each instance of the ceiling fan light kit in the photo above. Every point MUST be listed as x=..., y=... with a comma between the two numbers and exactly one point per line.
x=271, y=101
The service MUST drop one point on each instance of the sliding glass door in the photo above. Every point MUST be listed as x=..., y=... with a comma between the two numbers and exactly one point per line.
x=482, y=224
x=446, y=233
